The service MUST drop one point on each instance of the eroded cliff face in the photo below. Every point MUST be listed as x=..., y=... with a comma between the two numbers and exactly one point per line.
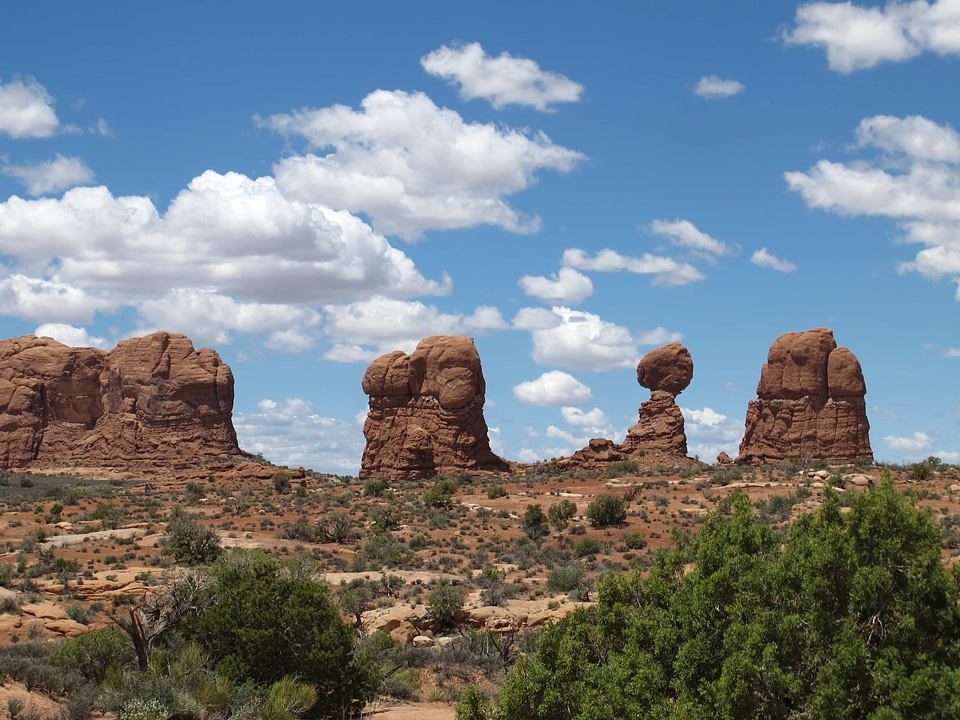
x=426, y=412
x=810, y=403
x=150, y=398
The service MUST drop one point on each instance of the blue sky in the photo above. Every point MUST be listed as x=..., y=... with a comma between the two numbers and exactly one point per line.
x=304, y=187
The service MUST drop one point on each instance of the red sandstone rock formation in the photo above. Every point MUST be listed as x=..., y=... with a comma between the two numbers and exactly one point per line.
x=150, y=398
x=810, y=403
x=426, y=412
x=666, y=372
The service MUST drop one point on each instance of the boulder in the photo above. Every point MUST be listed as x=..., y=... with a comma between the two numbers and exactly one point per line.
x=426, y=412
x=669, y=368
x=810, y=403
x=150, y=398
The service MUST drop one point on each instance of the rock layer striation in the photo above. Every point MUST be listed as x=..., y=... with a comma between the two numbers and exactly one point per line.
x=150, y=398
x=426, y=412
x=810, y=403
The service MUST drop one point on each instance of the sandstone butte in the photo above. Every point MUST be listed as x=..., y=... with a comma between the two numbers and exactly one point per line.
x=426, y=412
x=150, y=398
x=810, y=403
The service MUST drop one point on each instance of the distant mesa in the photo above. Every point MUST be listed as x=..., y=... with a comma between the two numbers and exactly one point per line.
x=150, y=398
x=810, y=403
x=426, y=412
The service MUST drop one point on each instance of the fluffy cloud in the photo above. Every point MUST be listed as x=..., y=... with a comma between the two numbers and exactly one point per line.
x=914, y=179
x=764, y=259
x=711, y=86
x=502, y=80
x=51, y=176
x=566, y=286
x=709, y=433
x=952, y=353
x=72, y=336
x=580, y=340
x=552, y=388
x=858, y=37
x=367, y=328
x=685, y=234
x=292, y=433
x=919, y=441
x=26, y=110
x=666, y=271
x=231, y=253
x=412, y=166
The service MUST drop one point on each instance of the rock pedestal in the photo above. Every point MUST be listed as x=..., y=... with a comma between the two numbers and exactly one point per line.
x=426, y=412
x=150, y=398
x=810, y=403
x=666, y=372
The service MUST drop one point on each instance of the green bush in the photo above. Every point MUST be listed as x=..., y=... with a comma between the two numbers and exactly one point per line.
x=564, y=578
x=94, y=654
x=535, y=523
x=621, y=468
x=496, y=491
x=587, y=546
x=266, y=621
x=441, y=494
x=444, y=605
x=607, y=511
x=634, y=541
x=188, y=541
x=561, y=513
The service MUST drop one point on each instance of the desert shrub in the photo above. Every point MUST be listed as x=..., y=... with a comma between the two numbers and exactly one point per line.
x=561, y=513
x=496, y=491
x=383, y=518
x=268, y=620
x=300, y=530
x=110, y=516
x=535, y=524
x=853, y=615
x=445, y=603
x=335, y=527
x=193, y=492
x=473, y=704
x=564, y=578
x=620, y=468
x=94, y=654
x=281, y=482
x=587, y=546
x=634, y=541
x=441, y=494
x=77, y=613
x=375, y=487
x=607, y=511
x=189, y=542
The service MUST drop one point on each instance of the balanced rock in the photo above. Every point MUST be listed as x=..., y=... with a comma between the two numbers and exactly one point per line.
x=810, y=403
x=150, y=398
x=666, y=372
x=426, y=412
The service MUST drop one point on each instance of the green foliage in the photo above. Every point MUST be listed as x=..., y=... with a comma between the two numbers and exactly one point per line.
x=472, y=704
x=607, y=511
x=634, y=541
x=189, y=542
x=444, y=604
x=564, y=578
x=110, y=516
x=266, y=621
x=587, y=546
x=853, y=616
x=375, y=487
x=496, y=491
x=561, y=513
x=94, y=654
x=620, y=468
x=281, y=482
x=193, y=492
x=441, y=494
x=287, y=699
x=535, y=523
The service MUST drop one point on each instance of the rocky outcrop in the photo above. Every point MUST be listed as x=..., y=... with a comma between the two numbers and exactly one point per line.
x=150, y=398
x=666, y=372
x=426, y=412
x=810, y=403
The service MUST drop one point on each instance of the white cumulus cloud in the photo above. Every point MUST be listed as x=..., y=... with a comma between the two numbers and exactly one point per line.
x=665, y=271
x=711, y=86
x=685, y=234
x=857, y=37
x=553, y=388
x=51, y=176
x=365, y=329
x=72, y=336
x=580, y=340
x=709, y=433
x=567, y=286
x=26, y=110
x=918, y=441
x=291, y=432
x=502, y=80
x=412, y=166
x=763, y=258
x=913, y=178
